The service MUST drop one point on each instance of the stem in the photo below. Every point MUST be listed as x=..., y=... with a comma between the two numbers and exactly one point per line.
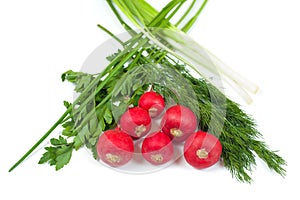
x=68, y=111
x=162, y=56
x=110, y=33
x=186, y=13
x=88, y=116
x=41, y=139
x=125, y=25
x=131, y=7
x=136, y=59
x=175, y=11
x=115, y=69
x=66, y=119
x=123, y=6
x=191, y=22
x=103, y=83
x=163, y=13
x=233, y=75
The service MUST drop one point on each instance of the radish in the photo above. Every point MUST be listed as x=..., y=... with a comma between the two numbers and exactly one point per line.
x=153, y=102
x=136, y=122
x=202, y=150
x=178, y=123
x=115, y=147
x=157, y=148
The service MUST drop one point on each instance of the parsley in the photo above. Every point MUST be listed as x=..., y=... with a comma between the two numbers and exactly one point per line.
x=59, y=154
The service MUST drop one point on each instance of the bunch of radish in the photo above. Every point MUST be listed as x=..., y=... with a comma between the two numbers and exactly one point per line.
x=178, y=125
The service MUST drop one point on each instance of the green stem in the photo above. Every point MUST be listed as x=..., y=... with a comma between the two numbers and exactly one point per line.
x=66, y=119
x=186, y=13
x=110, y=33
x=162, y=56
x=191, y=22
x=87, y=117
x=121, y=63
x=136, y=59
x=163, y=13
x=103, y=83
x=91, y=113
x=175, y=11
x=122, y=22
x=69, y=110
x=111, y=74
x=58, y=122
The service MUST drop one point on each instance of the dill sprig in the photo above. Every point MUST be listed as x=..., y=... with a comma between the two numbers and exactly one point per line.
x=239, y=136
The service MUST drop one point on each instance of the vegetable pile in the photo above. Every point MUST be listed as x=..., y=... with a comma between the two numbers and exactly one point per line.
x=115, y=108
x=115, y=147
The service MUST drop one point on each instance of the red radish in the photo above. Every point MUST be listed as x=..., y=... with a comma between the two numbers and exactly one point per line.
x=136, y=122
x=157, y=148
x=115, y=147
x=153, y=102
x=202, y=150
x=179, y=122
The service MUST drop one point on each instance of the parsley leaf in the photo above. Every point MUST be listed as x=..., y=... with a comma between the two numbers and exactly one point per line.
x=59, y=154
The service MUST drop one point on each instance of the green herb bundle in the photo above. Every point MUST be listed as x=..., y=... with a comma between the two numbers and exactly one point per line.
x=152, y=50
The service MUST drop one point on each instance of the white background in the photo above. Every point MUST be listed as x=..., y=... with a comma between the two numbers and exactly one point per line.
x=41, y=39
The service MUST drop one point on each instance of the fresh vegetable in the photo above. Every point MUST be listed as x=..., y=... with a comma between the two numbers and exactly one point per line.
x=179, y=122
x=136, y=122
x=153, y=102
x=157, y=148
x=115, y=147
x=202, y=150
x=162, y=50
x=59, y=154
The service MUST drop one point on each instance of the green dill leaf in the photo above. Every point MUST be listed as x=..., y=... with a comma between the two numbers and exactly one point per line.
x=273, y=160
x=239, y=136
